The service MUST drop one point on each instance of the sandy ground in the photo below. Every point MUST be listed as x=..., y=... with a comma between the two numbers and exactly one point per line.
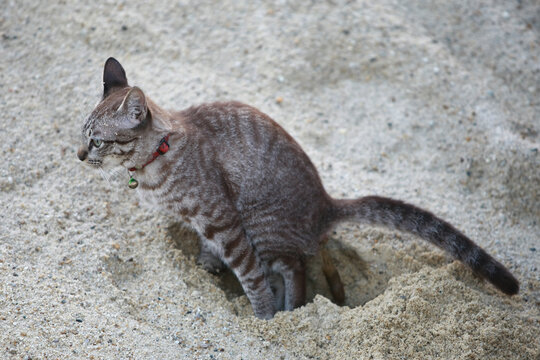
x=433, y=102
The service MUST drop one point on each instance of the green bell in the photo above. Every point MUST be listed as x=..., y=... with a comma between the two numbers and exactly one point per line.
x=133, y=183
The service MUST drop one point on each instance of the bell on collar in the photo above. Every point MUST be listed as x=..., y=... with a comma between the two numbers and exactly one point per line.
x=133, y=183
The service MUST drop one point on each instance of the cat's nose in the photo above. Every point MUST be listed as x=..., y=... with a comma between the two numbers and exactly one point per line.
x=82, y=153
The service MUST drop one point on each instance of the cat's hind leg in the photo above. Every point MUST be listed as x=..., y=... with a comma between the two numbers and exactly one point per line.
x=293, y=271
x=278, y=288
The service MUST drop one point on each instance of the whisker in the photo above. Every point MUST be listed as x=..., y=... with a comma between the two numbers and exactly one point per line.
x=104, y=174
x=115, y=172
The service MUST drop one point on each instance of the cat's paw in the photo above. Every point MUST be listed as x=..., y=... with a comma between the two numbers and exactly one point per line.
x=210, y=263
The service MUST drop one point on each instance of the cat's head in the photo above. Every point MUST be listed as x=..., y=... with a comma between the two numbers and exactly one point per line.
x=110, y=135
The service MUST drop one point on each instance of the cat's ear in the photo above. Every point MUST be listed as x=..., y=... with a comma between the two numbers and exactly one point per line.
x=114, y=76
x=134, y=107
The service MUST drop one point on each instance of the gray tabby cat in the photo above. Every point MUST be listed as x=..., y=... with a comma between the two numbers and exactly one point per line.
x=248, y=189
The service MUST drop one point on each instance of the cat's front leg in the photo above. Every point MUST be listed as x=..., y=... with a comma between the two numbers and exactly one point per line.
x=238, y=254
x=208, y=260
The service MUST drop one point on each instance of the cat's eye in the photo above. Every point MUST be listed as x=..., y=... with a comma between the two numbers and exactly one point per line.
x=97, y=142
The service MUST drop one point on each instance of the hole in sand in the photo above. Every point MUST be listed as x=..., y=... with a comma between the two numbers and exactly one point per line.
x=187, y=241
x=363, y=280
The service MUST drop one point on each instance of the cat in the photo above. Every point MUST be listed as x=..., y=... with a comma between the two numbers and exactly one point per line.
x=249, y=190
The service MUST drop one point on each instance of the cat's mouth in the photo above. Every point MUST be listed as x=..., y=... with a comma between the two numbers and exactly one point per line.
x=95, y=162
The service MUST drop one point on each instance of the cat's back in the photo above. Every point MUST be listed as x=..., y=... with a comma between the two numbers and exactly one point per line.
x=231, y=120
x=254, y=152
x=234, y=127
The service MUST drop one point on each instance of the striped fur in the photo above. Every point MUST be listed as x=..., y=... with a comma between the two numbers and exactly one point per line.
x=250, y=192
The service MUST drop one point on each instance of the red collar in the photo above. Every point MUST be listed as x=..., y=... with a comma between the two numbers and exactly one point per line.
x=162, y=149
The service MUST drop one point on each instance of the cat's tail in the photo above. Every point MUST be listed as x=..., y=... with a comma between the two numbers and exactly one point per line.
x=402, y=216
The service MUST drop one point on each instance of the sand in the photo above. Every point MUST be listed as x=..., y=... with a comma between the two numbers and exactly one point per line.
x=435, y=103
